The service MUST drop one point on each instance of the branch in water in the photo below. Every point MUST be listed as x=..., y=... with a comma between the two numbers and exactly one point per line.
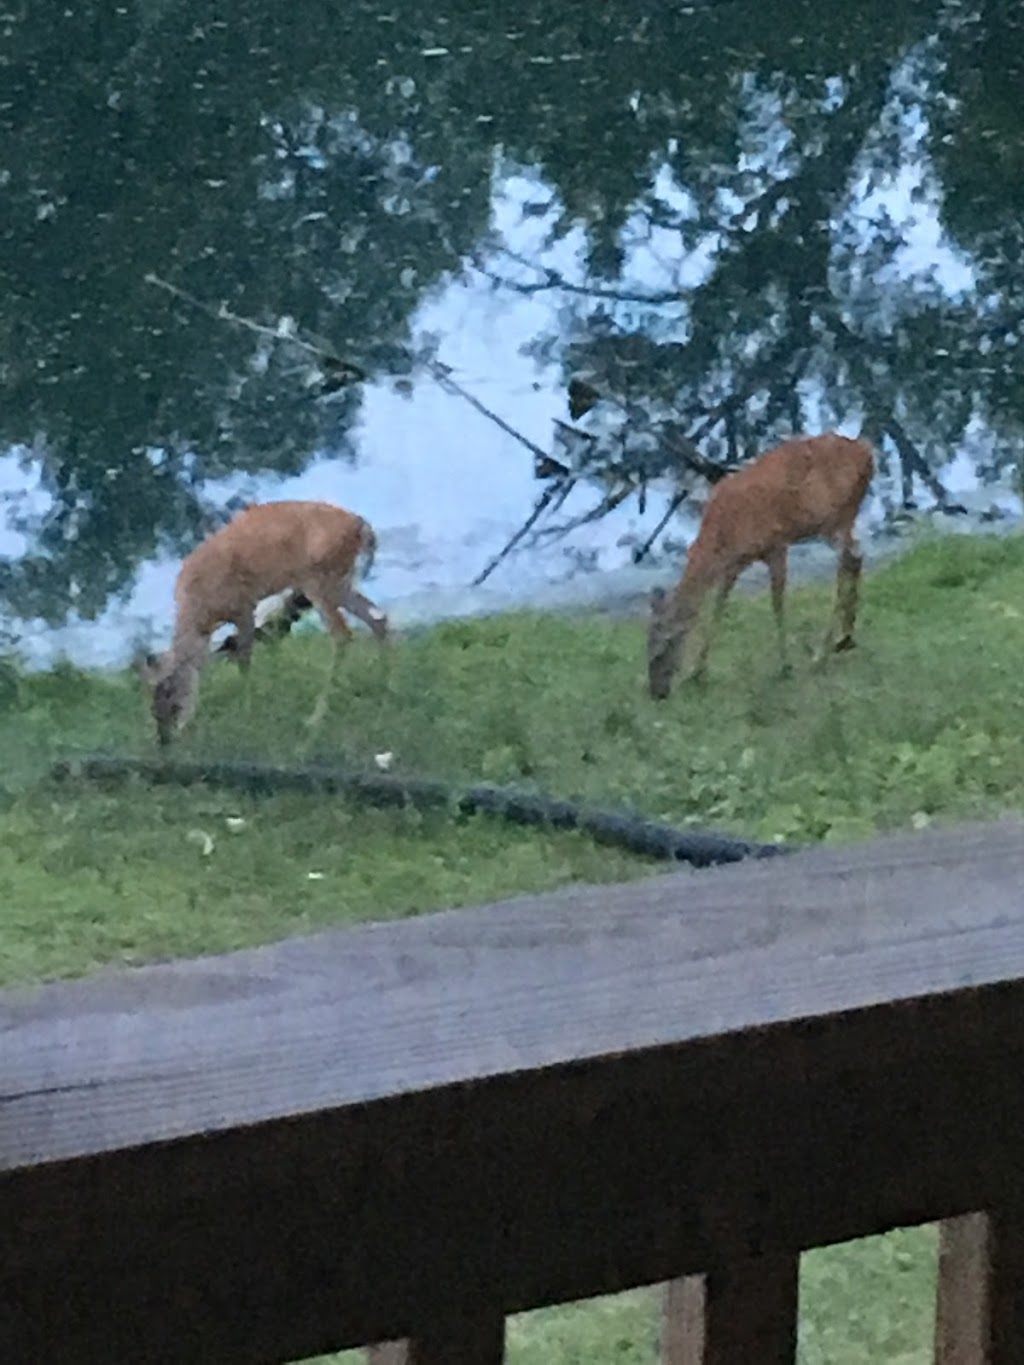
x=557, y=494
x=685, y=448
x=582, y=397
x=341, y=372
x=337, y=372
x=912, y=459
x=681, y=445
x=645, y=549
x=883, y=418
x=554, y=279
x=443, y=376
x=607, y=504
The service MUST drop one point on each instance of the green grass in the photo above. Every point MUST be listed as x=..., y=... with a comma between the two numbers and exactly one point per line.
x=923, y=721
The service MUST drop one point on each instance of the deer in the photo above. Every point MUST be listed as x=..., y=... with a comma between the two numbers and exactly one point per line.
x=312, y=548
x=806, y=488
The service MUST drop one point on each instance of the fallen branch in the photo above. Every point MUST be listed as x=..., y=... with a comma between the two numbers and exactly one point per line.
x=621, y=829
x=560, y=491
x=584, y=396
x=912, y=459
x=554, y=279
x=645, y=549
x=685, y=448
x=314, y=346
x=340, y=372
x=883, y=419
x=442, y=375
x=607, y=504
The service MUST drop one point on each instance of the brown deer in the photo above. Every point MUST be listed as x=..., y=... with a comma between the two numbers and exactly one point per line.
x=807, y=487
x=310, y=547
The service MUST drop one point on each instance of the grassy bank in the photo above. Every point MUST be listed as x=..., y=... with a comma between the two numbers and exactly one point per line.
x=922, y=722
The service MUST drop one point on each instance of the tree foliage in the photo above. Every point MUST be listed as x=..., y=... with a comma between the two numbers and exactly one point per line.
x=297, y=161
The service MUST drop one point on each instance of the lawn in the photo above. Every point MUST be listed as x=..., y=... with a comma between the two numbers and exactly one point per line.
x=922, y=722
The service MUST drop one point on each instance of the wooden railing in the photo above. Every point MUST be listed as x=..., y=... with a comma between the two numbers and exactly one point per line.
x=403, y=1133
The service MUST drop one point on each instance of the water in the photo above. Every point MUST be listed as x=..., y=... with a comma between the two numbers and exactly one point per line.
x=925, y=285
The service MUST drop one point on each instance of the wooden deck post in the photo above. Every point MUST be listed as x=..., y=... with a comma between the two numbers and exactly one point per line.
x=979, y=1318
x=477, y=1340
x=745, y=1313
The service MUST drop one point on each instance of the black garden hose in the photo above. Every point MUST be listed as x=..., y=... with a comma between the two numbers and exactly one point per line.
x=620, y=829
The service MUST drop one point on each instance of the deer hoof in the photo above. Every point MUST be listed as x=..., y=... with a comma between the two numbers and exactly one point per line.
x=847, y=642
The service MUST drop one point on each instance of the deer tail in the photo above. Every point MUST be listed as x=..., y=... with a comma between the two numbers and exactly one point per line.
x=367, y=546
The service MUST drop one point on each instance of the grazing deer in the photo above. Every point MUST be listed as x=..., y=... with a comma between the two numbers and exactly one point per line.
x=310, y=547
x=805, y=488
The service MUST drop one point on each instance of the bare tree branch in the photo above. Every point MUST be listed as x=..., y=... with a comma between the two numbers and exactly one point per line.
x=762, y=204
x=645, y=549
x=282, y=332
x=570, y=433
x=686, y=449
x=443, y=376
x=680, y=444
x=338, y=372
x=341, y=371
x=911, y=458
x=554, y=279
x=556, y=493
x=601, y=509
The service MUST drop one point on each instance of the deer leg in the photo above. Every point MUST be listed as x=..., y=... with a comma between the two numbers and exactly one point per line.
x=368, y=612
x=245, y=638
x=340, y=632
x=844, y=611
x=851, y=563
x=777, y=564
x=698, y=672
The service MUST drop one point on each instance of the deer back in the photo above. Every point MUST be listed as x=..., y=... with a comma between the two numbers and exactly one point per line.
x=264, y=549
x=802, y=488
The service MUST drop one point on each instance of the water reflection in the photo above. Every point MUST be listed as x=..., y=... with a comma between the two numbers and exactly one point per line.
x=743, y=227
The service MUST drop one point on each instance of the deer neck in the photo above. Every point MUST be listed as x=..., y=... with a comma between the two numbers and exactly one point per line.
x=685, y=602
x=190, y=645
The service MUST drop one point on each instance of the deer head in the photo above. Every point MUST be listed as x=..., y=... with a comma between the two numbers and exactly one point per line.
x=173, y=683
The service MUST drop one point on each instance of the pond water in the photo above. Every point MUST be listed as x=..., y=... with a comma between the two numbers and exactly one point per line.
x=791, y=231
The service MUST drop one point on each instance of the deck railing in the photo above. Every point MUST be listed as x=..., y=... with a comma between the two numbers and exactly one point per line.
x=402, y=1133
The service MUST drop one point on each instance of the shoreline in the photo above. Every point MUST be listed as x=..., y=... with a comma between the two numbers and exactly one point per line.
x=621, y=593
